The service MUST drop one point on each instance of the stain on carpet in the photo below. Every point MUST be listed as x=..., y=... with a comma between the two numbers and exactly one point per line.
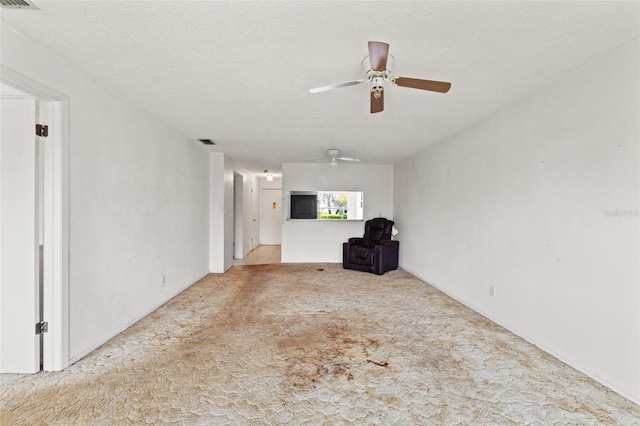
x=317, y=344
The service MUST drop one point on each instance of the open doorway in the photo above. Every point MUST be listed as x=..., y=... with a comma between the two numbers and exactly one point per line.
x=33, y=227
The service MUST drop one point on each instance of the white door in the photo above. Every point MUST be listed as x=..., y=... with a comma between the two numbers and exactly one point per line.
x=238, y=216
x=270, y=217
x=255, y=213
x=19, y=250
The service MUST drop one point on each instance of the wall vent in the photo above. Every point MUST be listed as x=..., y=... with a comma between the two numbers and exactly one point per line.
x=17, y=4
x=207, y=141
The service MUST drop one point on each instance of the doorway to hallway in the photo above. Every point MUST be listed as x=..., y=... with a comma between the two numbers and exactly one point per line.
x=261, y=255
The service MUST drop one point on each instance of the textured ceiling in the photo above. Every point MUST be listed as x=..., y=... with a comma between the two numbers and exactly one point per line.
x=239, y=72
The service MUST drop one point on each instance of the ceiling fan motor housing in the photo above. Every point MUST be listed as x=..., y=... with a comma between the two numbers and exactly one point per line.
x=371, y=73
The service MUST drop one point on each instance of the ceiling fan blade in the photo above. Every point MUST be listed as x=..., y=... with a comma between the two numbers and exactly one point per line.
x=348, y=159
x=416, y=83
x=377, y=104
x=378, y=53
x=335, y=86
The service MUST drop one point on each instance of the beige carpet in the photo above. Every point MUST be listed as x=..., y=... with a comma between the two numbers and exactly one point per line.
x=314, y=344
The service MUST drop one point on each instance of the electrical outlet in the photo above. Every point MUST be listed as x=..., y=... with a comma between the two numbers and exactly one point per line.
x=163, y=280
x=492, y=291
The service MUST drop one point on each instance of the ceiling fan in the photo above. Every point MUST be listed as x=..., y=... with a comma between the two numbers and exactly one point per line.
x=378, y=73
x=334, y=156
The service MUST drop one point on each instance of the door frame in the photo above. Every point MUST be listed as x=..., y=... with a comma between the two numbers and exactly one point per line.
x=55, y=112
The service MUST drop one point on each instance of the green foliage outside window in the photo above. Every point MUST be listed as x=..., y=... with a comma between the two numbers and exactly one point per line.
x=331, y=216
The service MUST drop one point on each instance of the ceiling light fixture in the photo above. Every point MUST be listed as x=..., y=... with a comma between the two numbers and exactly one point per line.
x=269, y=175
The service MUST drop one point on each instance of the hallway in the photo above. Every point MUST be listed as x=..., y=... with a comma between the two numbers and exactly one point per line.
x=261, y=255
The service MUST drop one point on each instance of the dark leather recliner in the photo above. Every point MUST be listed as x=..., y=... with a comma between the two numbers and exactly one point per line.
x=375, y=252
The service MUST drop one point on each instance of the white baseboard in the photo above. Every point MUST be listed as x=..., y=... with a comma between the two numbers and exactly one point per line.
x=571, y=363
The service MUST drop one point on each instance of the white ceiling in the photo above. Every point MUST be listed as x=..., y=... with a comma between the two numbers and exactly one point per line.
x=239, y=72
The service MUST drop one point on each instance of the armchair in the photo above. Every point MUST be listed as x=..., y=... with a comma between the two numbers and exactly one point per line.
x=374, y=252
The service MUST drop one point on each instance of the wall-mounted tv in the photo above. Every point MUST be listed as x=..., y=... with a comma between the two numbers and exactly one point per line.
x=304, y=206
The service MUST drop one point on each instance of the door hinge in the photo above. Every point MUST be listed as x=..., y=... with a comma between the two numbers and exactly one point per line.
x=42, y=327
x=42, y=130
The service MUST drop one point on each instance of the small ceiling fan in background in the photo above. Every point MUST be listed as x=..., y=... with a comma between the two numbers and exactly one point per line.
x=334, y=157
x=378, y=74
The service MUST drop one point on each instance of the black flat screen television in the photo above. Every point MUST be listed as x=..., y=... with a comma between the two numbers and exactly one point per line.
x=304, y=206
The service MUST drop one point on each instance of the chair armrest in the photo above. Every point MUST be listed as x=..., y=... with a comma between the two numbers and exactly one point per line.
x=387, y=256
x=359, y=241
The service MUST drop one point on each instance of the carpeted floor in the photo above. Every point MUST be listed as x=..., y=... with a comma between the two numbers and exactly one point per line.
x=314, y=344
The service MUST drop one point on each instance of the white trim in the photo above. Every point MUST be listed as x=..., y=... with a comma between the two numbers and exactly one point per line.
x=56, y=192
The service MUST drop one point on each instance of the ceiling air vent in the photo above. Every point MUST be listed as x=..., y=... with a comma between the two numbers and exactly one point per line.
x=207, y=141
x=17, y=4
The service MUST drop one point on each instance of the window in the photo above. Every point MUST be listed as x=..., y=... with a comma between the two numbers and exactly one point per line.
x=327, y=205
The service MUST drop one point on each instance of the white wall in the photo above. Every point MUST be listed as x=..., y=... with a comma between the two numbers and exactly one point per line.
x=221, y=212
x=216, y=212
x=228, y=212
x=274, y=184
x=321, y=241
x=221, y=218
x=138, y=201
x=522, y=202
x=249, y=183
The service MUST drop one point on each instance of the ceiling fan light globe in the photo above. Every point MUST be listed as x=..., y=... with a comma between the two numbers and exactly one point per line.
x=333, y=162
